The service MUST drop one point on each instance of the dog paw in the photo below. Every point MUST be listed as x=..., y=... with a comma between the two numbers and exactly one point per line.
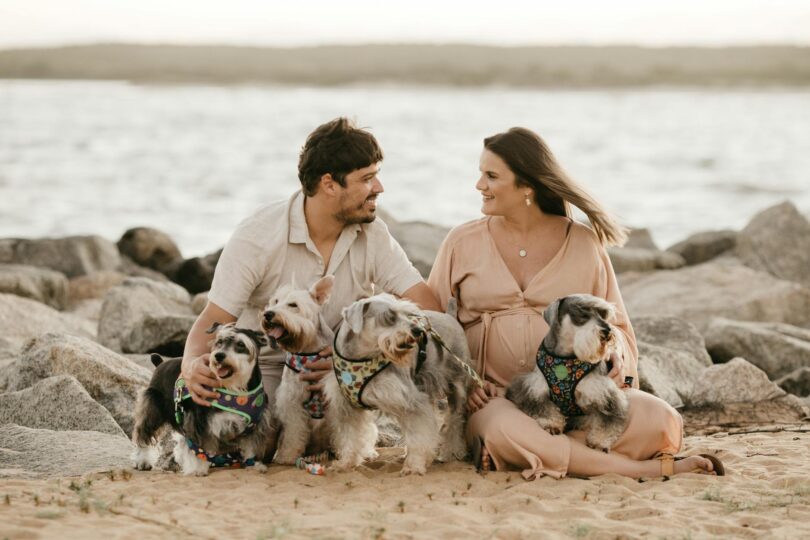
x=409, y=470
x=142, y=466
x=260, y=467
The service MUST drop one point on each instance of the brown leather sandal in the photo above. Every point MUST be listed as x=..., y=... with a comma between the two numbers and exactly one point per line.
x=668, y=465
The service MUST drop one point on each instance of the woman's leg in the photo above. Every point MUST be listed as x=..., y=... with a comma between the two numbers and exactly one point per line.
x=513, y=439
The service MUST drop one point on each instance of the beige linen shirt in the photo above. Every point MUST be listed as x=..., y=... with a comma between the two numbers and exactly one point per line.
x=272, y=247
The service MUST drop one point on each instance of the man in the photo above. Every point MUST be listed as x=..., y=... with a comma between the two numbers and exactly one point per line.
x=327, y=228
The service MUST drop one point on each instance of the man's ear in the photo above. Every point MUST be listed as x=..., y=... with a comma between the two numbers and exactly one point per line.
x=328, y=184
x=321, y=290
x=353, y=315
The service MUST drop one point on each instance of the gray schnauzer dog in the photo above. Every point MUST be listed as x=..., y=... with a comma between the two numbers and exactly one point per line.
x=386, y=358
x=569, y=385
x=293, y=322
x=236, y=430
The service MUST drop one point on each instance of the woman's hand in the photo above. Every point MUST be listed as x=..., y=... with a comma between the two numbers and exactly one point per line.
x=479, y=397
x=617, y=372
x=198, y=376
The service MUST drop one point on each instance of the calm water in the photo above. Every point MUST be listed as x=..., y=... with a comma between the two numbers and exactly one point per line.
x=100, y=157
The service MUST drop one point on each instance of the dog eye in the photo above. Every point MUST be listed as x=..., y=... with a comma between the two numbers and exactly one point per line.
x=240, y=347
x=293, y=305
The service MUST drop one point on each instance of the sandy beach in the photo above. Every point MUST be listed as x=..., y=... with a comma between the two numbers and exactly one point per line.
x=766, y=494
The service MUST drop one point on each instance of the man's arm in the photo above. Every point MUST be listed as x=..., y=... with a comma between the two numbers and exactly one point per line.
x=423, y=296
x=195, y=355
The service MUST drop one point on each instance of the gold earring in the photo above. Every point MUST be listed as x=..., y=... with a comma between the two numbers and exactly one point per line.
x=528, y=201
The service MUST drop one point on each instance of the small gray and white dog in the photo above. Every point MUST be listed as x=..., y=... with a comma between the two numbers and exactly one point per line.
x=292, y=320
x=569, y=385
x=237, y=427
x=385, y=359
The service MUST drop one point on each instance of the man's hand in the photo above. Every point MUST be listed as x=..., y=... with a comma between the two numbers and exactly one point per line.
x=319, y=369
x=479, y=397
x=617, y=372
x=199, y=376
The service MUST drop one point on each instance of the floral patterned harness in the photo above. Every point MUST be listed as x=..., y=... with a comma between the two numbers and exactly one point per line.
x=314, y=405
x=248, y=405
x=563, y=374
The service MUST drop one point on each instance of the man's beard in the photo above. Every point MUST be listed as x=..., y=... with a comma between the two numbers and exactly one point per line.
x=357, y=215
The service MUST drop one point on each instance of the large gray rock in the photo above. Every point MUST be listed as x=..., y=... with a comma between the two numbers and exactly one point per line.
x=737, y=381
x=670, y=374
x=796, y=382
x=27, y=452
x=643, y=260
x=110, y=379
x=93, y=286
x=127, y=306
x=719, y=288
x=198, y=302
x=59, y=403
x=705, y=246
x=787, y=409
x=419, y=239
x=640, y=238
x=72, y=255
x=163, y=335
x=672, y=333
x=40, y=284
x=132, y=269
x=151, y=248
x=196, y=274
x=775, y=348
x=777, y=241
x=22, y=319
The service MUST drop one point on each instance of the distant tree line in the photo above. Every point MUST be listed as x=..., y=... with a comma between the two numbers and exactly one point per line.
x=454, y=65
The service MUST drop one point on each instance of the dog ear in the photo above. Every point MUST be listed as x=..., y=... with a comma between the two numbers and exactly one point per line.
x=608, y=312
x=213, y=328
x=259, y=337
x=550, y=313
x=354, y=314
x=321, y=290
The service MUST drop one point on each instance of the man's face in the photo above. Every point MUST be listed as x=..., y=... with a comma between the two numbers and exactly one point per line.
x=358, y=200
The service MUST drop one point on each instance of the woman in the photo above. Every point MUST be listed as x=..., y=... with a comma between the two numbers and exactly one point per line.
x=504, y=269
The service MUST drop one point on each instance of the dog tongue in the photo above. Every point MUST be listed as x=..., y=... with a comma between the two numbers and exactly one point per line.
x=275, y=332
x=223, y=372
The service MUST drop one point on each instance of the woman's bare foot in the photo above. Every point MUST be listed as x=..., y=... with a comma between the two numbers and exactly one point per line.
x=486, y=462
x=693, y=464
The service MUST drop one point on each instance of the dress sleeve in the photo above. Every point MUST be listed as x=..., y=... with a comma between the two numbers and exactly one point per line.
x=441, y=275
x=607, y=287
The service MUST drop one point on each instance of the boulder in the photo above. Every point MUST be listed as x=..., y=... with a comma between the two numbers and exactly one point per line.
x=777, y=241
x=775, y=348
x=127, y=306
x=704, y=246
x=89, y=310
x=40, y=284
x=788, y=409
x=93, y=286
x=796, y=382
x=22, y=319
x=640, y=238
x=164, y=335
x=130, y=268
x=672, y=333
x=670, y=374
x=59, y=403
x=643, y=260
x=151, y=248
x=737, y=381
x=110, y=379
x=27, y=452
x=199, y=302
x=197, y=274
x=718, y=288
x=71, y=255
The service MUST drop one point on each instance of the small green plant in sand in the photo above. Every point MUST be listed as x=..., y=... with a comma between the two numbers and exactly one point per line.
x=48, y=514
x=579, y=530
x=280, y=530
x=401, y=506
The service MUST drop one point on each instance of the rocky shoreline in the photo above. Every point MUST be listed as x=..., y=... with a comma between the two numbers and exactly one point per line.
x=722, y=320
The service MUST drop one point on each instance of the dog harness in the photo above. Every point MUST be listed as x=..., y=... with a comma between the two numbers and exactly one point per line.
x=563, y=374
x=314, y=405
x=354, y=374
x=248, y=405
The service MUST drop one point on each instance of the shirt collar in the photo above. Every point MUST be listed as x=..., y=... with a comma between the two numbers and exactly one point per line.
x=299, y=233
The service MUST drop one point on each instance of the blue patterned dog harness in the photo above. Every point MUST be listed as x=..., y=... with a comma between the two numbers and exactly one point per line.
x=315, y=404
x=563, y=374
x=248, y=405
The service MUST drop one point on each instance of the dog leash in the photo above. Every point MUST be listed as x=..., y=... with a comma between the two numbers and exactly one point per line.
x=424, y=324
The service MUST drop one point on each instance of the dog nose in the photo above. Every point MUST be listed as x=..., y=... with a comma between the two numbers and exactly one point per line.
x=219, y=357
x=417, y=331
x=268, y=316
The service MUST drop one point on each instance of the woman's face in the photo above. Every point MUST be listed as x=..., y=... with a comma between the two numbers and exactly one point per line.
x=502, y=197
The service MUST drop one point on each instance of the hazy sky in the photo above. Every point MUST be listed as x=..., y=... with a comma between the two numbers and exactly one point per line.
x=308, y=22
